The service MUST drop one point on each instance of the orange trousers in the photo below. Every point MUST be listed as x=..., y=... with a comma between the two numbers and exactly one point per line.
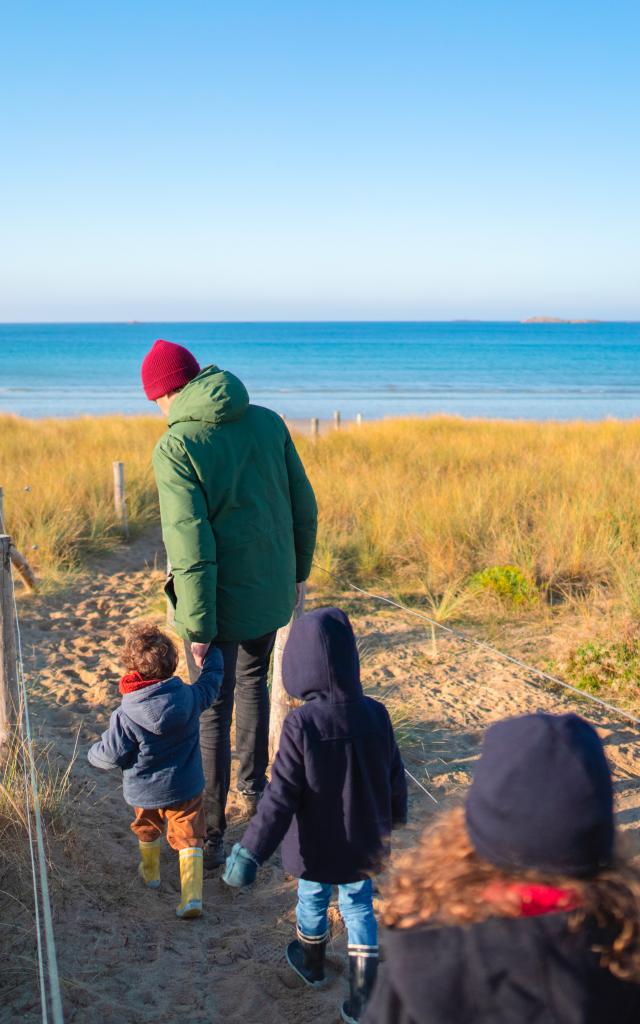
x=185, y=824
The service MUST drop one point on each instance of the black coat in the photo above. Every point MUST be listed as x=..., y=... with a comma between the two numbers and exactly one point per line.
x=525, y=971
x=337, y=784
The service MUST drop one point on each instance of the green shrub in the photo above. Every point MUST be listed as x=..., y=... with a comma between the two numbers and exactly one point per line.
x=507, y=582
x=599, y=665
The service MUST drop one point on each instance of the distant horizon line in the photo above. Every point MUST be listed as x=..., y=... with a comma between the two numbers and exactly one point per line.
x=536, y=321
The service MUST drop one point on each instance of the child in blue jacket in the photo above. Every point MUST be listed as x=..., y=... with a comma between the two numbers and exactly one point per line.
x=153, y=736
x=337, y=789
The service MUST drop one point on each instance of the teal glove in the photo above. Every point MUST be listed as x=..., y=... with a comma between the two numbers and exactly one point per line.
x=241, y=867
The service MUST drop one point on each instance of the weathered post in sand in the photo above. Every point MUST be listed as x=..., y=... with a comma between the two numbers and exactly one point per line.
x=358, y=419
x=9, y=692
x=19, y=561
x=336, y=419
x=119, y=498
x=280, y=700
x=192, y=669
x=315, y=428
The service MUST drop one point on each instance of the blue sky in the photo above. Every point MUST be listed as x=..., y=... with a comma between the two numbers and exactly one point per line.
x=319, y=160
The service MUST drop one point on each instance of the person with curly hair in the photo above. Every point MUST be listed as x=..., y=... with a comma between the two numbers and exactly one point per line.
x=153, y=736
x=522, y=906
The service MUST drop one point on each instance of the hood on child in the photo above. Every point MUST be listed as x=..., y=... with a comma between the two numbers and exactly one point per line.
x=160, y=708
x=542, y=796
x=321, y=660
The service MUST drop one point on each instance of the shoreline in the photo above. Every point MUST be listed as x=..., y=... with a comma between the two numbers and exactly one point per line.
x=497, y=370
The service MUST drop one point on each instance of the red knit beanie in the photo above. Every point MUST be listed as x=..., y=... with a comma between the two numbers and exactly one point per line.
x=167, y=367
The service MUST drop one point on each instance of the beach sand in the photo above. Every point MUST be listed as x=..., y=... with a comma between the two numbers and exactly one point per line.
x=123, y=955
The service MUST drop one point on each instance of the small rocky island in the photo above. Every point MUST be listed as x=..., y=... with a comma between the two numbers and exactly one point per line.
x=557, y=320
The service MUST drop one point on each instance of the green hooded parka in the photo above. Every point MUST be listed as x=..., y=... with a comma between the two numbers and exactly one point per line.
x=239, y=516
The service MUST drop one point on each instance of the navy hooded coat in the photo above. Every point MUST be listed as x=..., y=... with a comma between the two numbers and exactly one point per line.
x=530, y=970
x=337, y=784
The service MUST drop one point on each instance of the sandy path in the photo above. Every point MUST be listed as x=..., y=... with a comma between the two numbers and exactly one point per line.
x=123, y=955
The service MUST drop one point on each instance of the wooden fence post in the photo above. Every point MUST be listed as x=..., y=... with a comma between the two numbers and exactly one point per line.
x=9, y=692
x=192, y=668
x=119, y=497
x=315, y=428
x=336, y=419
x=19, y=561
x=280, y=700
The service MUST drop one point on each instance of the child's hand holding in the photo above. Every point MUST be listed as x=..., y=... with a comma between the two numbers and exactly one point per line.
x=241, y=867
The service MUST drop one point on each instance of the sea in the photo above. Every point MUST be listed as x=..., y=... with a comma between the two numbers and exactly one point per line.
x=507, y=370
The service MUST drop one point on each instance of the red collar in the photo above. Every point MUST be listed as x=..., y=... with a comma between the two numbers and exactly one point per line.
x=134, y=681
x=534, y=899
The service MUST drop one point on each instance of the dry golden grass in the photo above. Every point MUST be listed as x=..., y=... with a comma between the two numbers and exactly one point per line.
x=476, y=519
x=421, y=505
x=427, y=503
x=58, y=485
x=17, y=929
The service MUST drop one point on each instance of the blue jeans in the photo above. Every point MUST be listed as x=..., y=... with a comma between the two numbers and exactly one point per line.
x=355, y=900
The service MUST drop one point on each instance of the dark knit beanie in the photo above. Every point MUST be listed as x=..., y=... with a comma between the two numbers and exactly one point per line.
x=542, y=797
x=167, y=367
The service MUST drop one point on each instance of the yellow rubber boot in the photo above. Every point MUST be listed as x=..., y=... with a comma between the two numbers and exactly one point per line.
x=191, y=883
x=149, y=866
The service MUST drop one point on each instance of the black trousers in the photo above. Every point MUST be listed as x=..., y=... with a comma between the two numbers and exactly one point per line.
x=246, y=667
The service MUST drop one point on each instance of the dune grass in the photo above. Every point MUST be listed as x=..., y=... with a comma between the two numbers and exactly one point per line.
x=57, y=478
x=428, y=504
x=469, y=517
x=54, y=788
x=524, y=510
x=17, y=933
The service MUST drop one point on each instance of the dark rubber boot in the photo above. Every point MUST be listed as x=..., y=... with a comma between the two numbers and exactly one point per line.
x=306, y=956
x=213, y=853
x=363, y=969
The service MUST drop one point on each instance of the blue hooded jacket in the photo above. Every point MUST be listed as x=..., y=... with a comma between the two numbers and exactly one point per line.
x=154, y=736
x=337, y=784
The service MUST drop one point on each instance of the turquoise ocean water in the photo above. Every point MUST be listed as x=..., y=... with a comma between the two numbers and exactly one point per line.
x=514, y=370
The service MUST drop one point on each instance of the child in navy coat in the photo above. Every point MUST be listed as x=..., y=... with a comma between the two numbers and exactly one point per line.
x=519, y=906
x=153, y=736
x=337, y=789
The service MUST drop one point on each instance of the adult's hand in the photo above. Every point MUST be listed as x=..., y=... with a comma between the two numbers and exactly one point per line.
x=199, y=652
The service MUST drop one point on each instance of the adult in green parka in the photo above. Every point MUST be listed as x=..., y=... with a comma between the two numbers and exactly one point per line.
x=239, y=521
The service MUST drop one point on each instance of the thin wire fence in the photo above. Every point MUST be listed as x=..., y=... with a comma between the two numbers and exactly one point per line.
x=462, y=637
x=483, y=645
x=49, y=979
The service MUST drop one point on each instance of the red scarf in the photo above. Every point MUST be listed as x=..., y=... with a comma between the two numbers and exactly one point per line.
x=535, y=899
x=134, y=681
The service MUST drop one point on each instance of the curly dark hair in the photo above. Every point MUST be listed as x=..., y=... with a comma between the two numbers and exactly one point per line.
x=149, y=651
x=444, y=881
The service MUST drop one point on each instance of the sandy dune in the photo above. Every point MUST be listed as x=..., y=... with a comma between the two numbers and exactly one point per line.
x=123, y=955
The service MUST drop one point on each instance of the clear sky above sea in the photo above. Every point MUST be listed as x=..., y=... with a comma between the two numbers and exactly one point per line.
x=319, y=160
